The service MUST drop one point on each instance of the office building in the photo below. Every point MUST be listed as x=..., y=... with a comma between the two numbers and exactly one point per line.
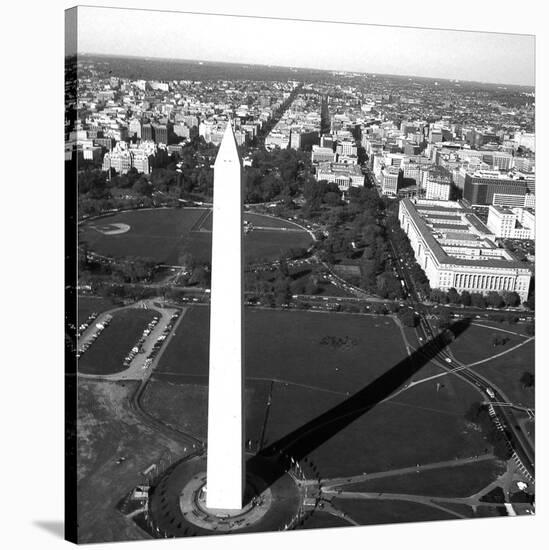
x=479, y=188
x=438, y=185
x=456, y=250
x=389, y=180
x=511, y=223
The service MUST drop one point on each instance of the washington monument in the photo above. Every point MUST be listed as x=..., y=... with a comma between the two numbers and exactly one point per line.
x=225, y=457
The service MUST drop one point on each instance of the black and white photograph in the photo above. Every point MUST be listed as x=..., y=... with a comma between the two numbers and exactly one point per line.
x=304, y=295
x=297, y=275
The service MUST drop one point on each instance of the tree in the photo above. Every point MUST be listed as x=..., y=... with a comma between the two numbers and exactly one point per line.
x=530, y=303
x=498, y=340
x=132, y=176
x=131, y=270
x=444, y=319
x=143, y=187
x=478, y=300
x=474, y=411
x=494, y=299
x=500, y=444
x=408, y=317
x=201, y=276
x=379, y=308
x=511, y=299
x=530, y=329
x=453, y=296
x=465, y=298
x=332, y=199
x=93, y=183
x=439, y=296
x=388, y=286
x=283, y=266
x=83, y=260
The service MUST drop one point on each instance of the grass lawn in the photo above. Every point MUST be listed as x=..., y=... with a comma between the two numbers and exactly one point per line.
x=164, y=234
x=420, y=425
x=268, y=245
x=153, y=234
x=106, y=354
x=458, y=481
x=286, y=345
x=506, y=371
x=386, y=437
x=185, y=405
x=320, y=520
x=370, y=512
x=258, y=220
x=475, y=343
x=328, y=289
x=462, y=509
x=519, y=327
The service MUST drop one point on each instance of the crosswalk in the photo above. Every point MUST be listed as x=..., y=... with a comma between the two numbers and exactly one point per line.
x=520, y=466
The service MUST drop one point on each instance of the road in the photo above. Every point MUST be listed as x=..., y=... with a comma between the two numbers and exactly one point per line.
x=517, y=438
x=148, y=419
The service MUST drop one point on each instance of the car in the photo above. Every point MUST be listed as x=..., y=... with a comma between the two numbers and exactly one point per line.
x=447, y=359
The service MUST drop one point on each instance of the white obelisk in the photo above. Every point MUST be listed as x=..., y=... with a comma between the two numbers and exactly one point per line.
x=225, y=456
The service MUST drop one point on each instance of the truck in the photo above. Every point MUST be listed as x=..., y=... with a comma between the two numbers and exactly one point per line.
x=490, y=393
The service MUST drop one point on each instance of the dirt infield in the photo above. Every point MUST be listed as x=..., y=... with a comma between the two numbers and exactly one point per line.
x=112, y=228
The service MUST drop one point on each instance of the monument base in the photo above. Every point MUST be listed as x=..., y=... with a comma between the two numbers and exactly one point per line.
x=192, y=503
x=177, y=504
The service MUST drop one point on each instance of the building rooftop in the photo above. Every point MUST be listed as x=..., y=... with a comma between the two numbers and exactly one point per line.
x=342, y=168
x=477, y=224
x=450, y=226
x=437, y=216
x=443, y=257
x=461, y=237
x=435, y=208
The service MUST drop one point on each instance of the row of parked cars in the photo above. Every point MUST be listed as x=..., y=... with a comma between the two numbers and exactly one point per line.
x=160, y=340
x=100, y=328
x=139, y=344
x=91, y=318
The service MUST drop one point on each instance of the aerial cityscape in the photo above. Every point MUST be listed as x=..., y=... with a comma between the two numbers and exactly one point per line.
x=382, y=305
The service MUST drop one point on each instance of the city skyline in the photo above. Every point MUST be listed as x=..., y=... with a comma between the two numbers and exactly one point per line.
x=484, y=57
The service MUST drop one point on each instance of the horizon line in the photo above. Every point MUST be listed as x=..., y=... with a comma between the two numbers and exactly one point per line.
x=134, y=56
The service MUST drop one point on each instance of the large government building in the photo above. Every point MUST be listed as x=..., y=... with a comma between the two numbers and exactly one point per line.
x=456, y=250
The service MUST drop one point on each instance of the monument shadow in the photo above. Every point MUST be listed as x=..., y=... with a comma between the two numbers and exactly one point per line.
x=274, y=460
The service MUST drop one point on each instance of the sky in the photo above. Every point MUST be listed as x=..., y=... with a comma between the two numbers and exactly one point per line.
x=461, y=55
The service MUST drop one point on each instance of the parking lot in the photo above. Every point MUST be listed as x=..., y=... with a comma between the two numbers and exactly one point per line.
x=90, y=330
x=141, y=358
